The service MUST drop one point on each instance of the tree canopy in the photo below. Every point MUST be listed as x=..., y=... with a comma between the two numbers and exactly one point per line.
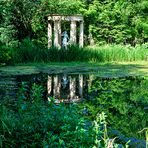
x=108, y=21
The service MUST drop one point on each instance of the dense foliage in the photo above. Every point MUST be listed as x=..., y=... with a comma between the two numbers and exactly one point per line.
x=109, y=21
x=118, y=21
x=125, y=108
x=31, y=122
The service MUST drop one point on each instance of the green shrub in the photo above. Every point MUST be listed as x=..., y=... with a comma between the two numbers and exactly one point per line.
x=31, y=122
x=28, y=52
x=5, y=54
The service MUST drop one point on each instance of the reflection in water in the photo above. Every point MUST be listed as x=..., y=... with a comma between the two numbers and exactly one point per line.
x=124, y=100
x=66, y=88
x=49, y=85
x=81, y=85
x=72, y=87
x=56, y=86
x=65, y=81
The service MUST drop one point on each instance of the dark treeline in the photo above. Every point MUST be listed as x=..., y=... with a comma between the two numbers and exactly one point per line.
x=107, y=21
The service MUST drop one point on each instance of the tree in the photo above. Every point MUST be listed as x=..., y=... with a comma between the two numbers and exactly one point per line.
x=118, y=21
x=16, y=20
x=108, y=21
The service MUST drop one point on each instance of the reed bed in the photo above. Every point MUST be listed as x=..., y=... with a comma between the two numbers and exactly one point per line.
x=29, y=52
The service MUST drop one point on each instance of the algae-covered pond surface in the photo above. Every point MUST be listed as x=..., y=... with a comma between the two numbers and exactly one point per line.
x=104, y=69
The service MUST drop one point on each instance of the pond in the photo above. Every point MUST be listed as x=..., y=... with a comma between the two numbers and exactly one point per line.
x=124, y=100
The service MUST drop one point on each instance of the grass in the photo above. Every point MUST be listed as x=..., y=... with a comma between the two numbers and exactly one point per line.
x=121, y=53
x=30, y=52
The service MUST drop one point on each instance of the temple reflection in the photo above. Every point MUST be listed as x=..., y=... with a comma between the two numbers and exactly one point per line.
x=66, y=88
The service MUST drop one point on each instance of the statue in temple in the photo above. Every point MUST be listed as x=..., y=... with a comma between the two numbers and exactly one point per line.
x=65, y=39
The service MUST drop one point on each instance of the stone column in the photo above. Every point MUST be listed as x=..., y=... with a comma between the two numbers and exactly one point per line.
x=81, y=86
x=73, y=32
x=81, y=38
x=49, y=34
x=72, y=87
x=59, y=34
x=56, y=33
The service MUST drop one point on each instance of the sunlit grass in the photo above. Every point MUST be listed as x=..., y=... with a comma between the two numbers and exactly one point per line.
x=120, y=53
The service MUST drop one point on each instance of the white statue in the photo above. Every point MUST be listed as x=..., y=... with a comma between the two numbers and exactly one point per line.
x=65, y=39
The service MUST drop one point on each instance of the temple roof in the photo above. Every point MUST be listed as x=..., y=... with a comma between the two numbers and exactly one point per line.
x=71, y=17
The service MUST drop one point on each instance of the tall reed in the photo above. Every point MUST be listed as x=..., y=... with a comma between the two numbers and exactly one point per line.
x=121, y=53
x=30, y=52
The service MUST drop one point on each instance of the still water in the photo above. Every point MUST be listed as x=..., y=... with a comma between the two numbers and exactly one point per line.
x=123, y=100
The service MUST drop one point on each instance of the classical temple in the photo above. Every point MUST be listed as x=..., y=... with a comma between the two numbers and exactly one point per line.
x=55, y=32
